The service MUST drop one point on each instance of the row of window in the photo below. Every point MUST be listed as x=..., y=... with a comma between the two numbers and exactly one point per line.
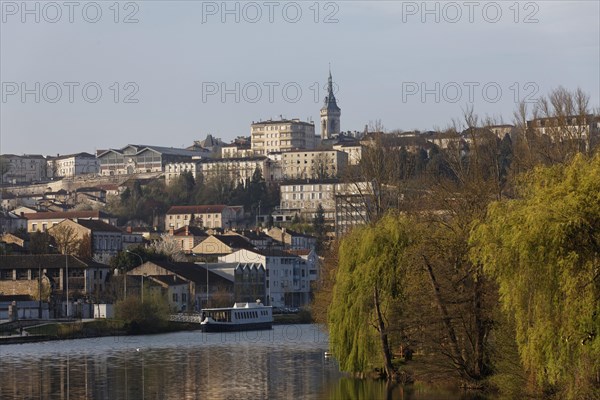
x=249, y=314
x=185, y=216
x=307, y=188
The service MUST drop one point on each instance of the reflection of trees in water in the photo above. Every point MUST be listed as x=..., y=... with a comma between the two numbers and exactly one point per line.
x=249, y=365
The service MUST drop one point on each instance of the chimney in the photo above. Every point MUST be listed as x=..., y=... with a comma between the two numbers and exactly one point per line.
x=171, y=230
x=129, y=229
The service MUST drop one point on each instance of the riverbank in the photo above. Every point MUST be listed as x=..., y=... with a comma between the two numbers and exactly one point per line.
x=83, y=329
x=65, y=330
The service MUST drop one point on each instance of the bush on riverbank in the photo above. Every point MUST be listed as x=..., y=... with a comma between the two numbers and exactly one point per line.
x=149, y=316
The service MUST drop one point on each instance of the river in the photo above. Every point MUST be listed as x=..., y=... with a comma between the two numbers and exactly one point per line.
x=285, y=363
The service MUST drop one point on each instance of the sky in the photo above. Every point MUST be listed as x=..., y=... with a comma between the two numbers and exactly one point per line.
x=83, y=76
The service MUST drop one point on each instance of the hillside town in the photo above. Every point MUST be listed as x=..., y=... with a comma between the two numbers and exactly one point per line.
x=213, y=223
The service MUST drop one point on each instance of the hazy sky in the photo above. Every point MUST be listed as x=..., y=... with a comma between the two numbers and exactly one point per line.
x=171, y=72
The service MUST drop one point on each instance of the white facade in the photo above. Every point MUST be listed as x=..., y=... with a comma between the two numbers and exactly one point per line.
x=175, y=170
x=288, y=276
x=240, y=170
x=307, y=195
x=313, y=164
x=73, y=165
x=284, y=135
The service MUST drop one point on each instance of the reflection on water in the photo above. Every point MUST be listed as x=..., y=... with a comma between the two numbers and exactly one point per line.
x=286, y=362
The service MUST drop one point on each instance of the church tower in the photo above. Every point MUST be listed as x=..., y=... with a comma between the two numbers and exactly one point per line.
x=330, y=113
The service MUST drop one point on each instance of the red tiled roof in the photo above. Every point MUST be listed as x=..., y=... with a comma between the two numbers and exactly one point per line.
x=65, y=215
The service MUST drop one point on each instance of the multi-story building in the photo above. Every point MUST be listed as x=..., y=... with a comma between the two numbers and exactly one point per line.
x=213, y=216
x=313, y=164
x=307, y=195
x=133, y=159
x=288, y=276
x=175, y=170
x=282, y=135
x=72, y=165
x=22, y=169
x=239, y=170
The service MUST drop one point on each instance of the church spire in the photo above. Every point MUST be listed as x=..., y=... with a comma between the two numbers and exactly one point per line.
x=330, y=102
x=330, y=112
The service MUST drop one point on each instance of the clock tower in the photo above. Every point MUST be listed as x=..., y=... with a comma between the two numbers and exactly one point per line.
x=330, y=113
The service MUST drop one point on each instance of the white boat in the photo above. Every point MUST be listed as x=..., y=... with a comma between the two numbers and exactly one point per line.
x=240, y=317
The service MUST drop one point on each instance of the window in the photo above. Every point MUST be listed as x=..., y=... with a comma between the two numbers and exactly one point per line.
x=183, y=297
x=175, y=297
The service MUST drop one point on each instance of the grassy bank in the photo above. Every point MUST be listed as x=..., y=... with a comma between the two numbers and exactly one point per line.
x=99, y=328
x=302, y=317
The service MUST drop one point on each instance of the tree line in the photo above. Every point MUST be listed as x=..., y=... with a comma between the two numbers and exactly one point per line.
x=488, y=270
x=144, y=203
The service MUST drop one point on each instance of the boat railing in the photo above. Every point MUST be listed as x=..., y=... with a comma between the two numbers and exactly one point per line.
x=191, y=318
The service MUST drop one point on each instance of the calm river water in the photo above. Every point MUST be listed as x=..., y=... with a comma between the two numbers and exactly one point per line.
x=285, y=363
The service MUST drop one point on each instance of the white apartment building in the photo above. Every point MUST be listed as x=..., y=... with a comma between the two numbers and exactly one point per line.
x=175, y=170
x=306, y=196
x=72, y=165
x=288, y=276
x=281, y=136
x=240, y=170
x=313, y=164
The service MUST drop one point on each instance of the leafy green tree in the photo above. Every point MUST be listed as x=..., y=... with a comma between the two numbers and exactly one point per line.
x=368, y=290
x=544, y=251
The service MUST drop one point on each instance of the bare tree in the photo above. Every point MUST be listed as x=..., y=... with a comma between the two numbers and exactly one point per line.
x=168, y=246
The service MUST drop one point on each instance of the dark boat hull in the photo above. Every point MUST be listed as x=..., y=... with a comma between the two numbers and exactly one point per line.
x=224, y=327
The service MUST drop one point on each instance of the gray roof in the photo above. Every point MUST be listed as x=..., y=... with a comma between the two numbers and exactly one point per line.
x=159, y=149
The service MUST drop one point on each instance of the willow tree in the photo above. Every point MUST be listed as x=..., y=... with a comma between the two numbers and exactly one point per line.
x=368, y=290
x=544, y=251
